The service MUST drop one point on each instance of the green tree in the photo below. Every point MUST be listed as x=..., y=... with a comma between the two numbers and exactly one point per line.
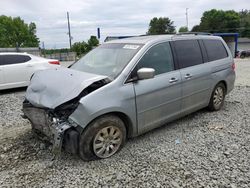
x=214, y=21
x=83, y=47
x=196, y=28
x=183, y=29
x=32, y=41
x=92, y=42
x=162, y=25
x=15, y=33
x=245, y=23
x=80, y=48
x=52, y=51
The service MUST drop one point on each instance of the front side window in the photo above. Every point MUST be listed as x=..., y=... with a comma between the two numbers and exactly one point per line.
x=188, y=53
x=215, y=49
x=159, y=57
x=107, y=59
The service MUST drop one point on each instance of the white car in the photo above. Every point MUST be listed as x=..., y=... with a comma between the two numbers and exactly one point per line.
x=17, y=68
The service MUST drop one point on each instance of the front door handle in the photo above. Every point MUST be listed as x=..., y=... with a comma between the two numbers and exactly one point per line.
x=29, y=65
x=187, y=76
x=173, y=80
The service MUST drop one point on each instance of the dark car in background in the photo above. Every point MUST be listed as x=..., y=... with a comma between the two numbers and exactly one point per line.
x=243, y=53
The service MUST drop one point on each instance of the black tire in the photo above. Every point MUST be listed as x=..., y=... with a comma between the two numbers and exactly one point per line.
x=213, y=106
x=242, y=56
x=86, y=141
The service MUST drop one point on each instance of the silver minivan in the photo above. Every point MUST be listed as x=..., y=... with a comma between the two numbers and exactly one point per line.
x=126, y=87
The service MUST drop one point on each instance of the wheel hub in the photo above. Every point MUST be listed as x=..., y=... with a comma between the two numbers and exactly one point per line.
x=218, y=96
x=107, y=141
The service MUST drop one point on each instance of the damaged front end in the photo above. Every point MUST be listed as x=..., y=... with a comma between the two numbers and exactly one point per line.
x=53, y=124
x=51, y=128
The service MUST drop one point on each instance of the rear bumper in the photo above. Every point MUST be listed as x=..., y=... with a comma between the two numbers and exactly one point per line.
x=230, y=82
x=59, y=133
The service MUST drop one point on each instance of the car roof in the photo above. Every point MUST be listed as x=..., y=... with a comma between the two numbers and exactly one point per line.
x=141, y=39
x=156, y=38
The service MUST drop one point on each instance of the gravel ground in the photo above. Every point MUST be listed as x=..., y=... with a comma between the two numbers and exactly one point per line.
x=204, y=149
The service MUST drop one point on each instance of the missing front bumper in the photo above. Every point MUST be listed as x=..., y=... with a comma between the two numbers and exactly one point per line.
x=59, y=133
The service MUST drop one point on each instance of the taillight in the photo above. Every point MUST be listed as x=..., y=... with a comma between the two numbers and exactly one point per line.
x=233, y=66
x=54, y=62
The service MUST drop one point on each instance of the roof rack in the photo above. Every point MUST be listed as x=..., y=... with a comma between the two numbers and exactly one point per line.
x=193, y=33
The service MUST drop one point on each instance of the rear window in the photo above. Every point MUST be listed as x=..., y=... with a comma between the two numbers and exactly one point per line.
x=215, y=49
x=13, y=59
x=188, y=53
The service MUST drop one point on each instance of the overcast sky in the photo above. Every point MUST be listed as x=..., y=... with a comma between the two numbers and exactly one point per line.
x=114, y=17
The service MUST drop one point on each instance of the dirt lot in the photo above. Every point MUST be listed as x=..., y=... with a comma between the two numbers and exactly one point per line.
x=204, y=149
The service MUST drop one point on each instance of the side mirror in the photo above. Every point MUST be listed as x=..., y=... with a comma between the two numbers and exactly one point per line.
x=145, y=73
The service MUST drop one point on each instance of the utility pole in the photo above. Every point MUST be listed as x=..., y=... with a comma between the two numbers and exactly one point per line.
x=43, y=49
x=98, y=33
x=187, y=17
x=69, y=30
x=43, y=46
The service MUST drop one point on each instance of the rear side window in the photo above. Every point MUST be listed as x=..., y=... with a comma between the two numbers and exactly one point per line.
x=14, y=59
x=188, y=53
x=215, y=49
x=159, y=57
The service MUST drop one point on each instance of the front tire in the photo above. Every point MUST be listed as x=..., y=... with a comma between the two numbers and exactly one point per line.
x=217, y=98
x=102, y=138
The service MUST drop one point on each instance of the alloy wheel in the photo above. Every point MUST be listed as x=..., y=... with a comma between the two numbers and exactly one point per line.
x=218, y=96
x=107, y=141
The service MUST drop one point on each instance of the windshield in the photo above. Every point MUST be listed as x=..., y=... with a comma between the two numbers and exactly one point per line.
x=107, y=59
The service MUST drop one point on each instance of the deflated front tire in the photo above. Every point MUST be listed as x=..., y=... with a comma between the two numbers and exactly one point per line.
x=102, y=138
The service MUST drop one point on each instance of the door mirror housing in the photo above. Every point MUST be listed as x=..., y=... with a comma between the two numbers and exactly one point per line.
x=145, y=73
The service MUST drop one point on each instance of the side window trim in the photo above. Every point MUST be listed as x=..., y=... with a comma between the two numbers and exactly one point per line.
x=225, y=49
x=175, y=55
x=203, y=51
x=175, y=60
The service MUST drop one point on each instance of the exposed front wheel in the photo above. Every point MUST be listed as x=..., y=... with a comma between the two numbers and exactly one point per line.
x=217, y=98
x=103, y=138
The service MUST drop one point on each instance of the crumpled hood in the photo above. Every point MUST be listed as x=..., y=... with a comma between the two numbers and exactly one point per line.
x=53, y=87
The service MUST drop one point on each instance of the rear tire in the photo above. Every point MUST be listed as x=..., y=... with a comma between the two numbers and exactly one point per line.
x=102, y=138
x=217, y=98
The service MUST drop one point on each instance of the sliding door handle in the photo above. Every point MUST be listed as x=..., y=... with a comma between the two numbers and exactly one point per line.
x=187, y=76
x=173, y=80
